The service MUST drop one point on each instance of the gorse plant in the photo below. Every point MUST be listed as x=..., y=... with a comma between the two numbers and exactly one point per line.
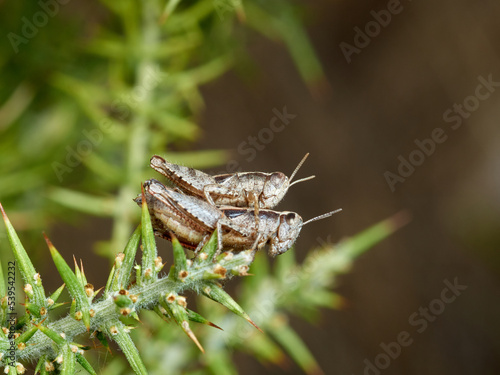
x=34, y=336
x=54, y=344
x=85, y=101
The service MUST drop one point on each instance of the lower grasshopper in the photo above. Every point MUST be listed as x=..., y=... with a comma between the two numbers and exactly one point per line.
x=247, y=189
x=192, y=220
x=183, y=213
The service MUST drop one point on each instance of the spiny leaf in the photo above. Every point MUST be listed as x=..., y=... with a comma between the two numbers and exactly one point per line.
x=3, y=284
x=180, y=260
x=116, y=331
x=68, y=365
x=24, y=263
x=181, y=317
x=79, y=274
x=110, y=284
x=75, y=288
x=185, y=327
x=195, y=317
x=85, y=364
x=120, y=275
x=56, y=305
x=210, y=247
x=34, y=309
x=218, y=294
x=53, y=335
x=25, y=336
x=102, y=339
x=128, y=262
x=55, y=296
x=149, y=251
x=40, y=366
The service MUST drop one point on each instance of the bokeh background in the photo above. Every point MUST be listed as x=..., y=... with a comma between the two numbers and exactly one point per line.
x=394, y=91
x=356, y=121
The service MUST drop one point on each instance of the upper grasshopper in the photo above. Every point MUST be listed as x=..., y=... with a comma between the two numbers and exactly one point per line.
x=192, y=220
x=247, y=189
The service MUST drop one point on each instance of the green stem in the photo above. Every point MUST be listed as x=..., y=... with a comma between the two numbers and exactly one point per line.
x=106, y=311
x=137, y=145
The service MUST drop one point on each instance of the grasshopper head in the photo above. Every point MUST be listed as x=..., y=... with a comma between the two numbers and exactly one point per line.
x=277, y=184
x=290, y=225
x=275, y=188
x=289, y=228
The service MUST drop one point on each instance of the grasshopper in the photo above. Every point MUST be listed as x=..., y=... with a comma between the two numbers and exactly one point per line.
x=248, y=189
x=182, y=213
x=192, y=220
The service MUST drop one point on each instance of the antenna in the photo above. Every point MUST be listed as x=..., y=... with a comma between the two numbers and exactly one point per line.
x=322, y=216
x=297, y=169
x=302, y=179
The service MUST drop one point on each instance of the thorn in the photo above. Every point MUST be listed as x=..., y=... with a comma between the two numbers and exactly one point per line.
x=40, y=324
x=253, y=323
x=81, y=267
x=3, y=213
x=187, y=329
x=214, y=325
x=49, y=243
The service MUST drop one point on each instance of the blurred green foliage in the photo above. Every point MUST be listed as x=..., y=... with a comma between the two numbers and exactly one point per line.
x=90, y=90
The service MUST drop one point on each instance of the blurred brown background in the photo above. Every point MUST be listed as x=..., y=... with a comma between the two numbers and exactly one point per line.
x=394, y=91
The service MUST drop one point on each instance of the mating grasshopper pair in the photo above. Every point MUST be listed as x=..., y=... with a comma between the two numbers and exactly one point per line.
x=237, y=205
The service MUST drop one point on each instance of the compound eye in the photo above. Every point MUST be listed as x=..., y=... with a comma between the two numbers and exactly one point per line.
x=277, y=179
x=290, y=218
